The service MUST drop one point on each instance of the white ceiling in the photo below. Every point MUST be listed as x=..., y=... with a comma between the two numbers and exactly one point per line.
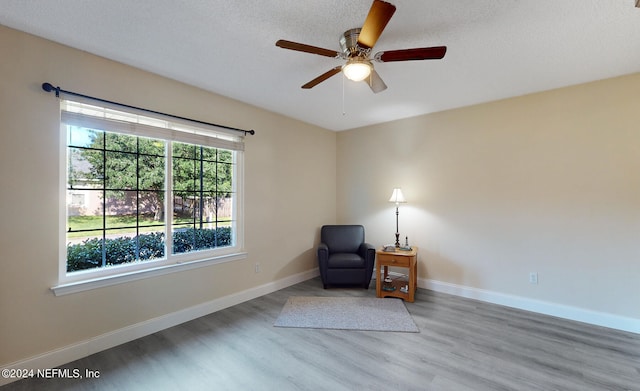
x=496, y=48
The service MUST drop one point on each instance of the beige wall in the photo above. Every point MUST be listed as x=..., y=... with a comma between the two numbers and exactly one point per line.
x=281, y=182
x=546, y=183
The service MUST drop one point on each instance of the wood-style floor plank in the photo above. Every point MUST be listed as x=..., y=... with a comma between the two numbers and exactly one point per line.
x=463, y=345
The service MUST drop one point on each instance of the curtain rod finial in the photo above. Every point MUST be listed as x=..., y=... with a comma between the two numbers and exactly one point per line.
x=49, y=87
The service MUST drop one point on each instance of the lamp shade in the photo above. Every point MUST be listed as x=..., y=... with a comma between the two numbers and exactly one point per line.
x=357, y=69
x=397, y=196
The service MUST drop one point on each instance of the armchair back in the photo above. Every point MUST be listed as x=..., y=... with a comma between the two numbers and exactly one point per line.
x=342, y=238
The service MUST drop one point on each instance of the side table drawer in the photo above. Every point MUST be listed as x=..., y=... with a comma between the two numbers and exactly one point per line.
x=391, y=260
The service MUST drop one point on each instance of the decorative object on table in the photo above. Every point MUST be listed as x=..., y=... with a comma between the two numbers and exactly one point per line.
x=388, y=285
x=398, y=198
x=406, y=246
x=389, y=248
x=346, y=313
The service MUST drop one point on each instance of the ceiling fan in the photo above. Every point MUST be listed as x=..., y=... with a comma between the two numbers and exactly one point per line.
x=356, y=45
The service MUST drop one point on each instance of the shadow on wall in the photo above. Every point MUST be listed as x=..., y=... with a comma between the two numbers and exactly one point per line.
x=300, y=263
x=434, y=266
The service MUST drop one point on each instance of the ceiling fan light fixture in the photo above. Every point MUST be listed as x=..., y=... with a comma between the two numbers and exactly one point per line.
x=357, y=69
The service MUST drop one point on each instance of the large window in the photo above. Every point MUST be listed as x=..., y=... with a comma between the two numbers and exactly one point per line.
x=145, y=192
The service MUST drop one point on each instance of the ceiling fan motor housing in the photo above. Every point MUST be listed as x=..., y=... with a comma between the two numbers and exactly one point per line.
x=349, y=43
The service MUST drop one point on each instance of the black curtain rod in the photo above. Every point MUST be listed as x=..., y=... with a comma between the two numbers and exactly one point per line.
x=49, y=87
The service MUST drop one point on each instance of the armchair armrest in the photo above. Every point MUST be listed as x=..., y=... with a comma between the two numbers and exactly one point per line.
x=323, y=253
x=366, y=250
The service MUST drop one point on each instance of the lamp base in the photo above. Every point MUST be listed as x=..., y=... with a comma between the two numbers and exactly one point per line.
x=397, y=239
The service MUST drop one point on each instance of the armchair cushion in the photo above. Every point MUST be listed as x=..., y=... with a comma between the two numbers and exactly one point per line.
x=345, y=260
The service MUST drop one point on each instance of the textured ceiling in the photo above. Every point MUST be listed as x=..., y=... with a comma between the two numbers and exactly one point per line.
x=496, y=48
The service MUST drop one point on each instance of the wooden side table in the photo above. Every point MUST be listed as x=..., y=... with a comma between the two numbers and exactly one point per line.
x=398, y=258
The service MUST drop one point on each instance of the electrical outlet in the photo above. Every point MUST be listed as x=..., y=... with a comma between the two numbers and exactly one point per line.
x=533, y=278
x=257, y=267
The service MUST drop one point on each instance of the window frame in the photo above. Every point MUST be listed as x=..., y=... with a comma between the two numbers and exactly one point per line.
x=77, y=281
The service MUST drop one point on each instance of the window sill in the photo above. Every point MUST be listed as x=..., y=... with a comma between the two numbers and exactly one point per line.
x=100, y=282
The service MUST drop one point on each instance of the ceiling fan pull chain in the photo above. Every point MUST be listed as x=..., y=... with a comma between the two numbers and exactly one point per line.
x=343, y=110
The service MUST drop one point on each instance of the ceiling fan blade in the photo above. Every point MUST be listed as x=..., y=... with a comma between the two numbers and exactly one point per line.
x=375, y=82
x=377, y=19
x=301, y=47
x=322, y=77
x=433, y=53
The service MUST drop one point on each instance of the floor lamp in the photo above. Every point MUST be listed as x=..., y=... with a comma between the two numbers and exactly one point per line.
x=397, y=197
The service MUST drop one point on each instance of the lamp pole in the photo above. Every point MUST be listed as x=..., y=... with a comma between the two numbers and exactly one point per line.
x=397, y=229
x=398, y=198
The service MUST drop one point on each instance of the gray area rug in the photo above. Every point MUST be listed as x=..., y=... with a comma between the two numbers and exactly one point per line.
x=346, y=313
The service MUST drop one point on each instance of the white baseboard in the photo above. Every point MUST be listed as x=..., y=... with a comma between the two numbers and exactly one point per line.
x=543, y=307
x=66, y=354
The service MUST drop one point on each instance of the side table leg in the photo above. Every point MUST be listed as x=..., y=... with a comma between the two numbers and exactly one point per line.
x=378, y=282
x=413, y=279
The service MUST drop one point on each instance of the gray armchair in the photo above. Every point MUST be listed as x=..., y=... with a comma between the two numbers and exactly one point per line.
x=343, y=256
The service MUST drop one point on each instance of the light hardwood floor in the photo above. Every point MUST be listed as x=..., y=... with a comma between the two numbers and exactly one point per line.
x=463, y=345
